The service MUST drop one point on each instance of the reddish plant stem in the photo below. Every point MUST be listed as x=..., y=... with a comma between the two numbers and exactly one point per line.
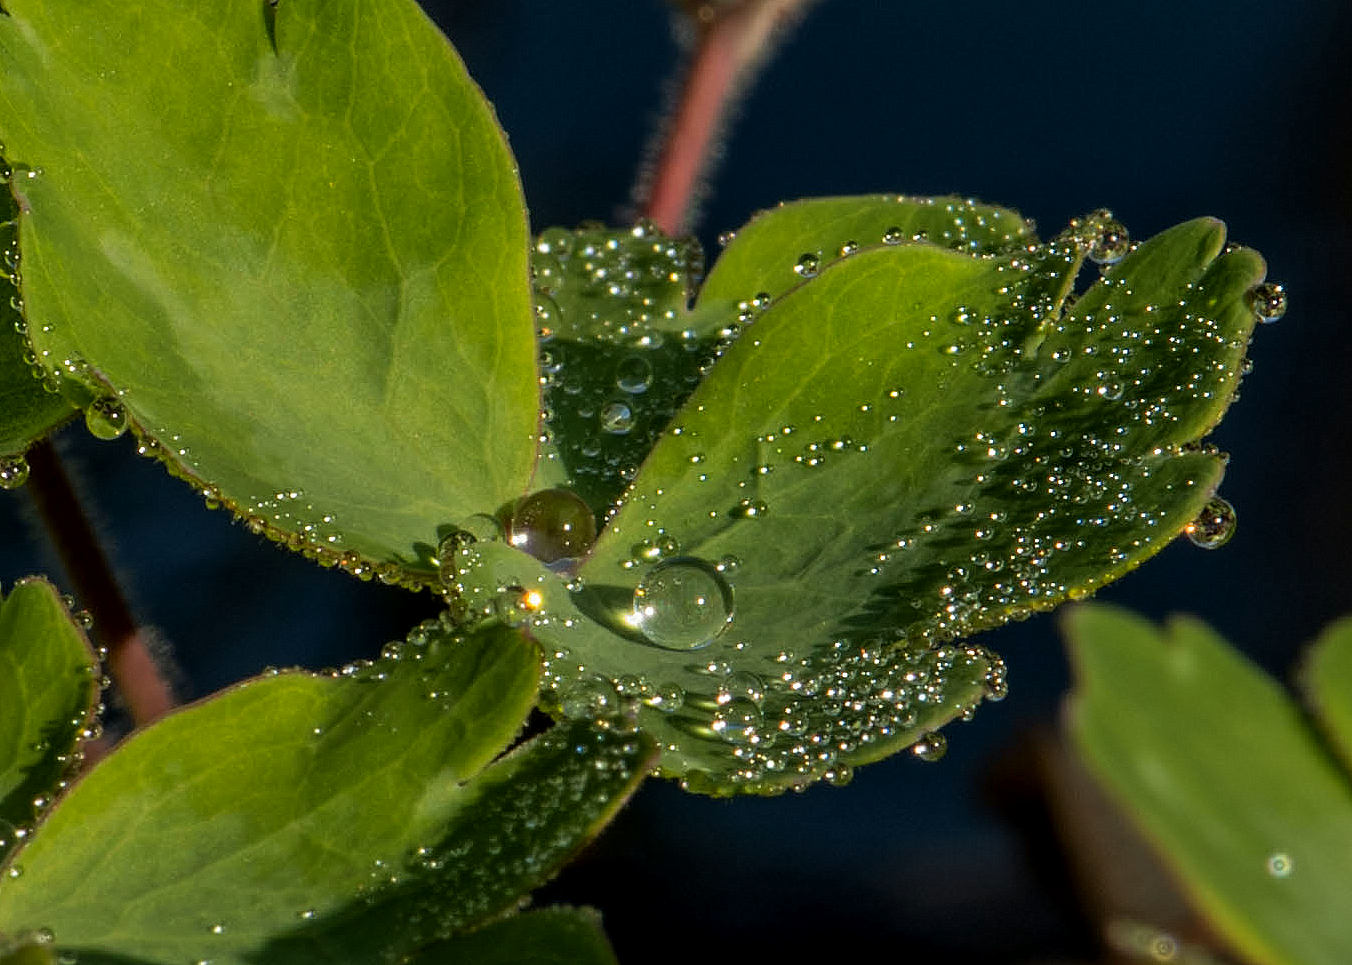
x=130, y=664
x=728, y=50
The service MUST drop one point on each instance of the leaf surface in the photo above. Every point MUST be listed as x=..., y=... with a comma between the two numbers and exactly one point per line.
x=278, y=803
x=915, y=445
x=1327, y=679
x=550, y=936
x=27, y=411
x=1221, y=771
x=298, y=256
x=47, y=698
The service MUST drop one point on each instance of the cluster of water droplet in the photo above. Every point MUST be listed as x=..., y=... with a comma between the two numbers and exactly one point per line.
x=615, y=361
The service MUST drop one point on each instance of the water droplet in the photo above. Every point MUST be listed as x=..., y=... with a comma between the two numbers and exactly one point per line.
x=736, y=720
x=892, y=236
x=1103, y=237
x=1214, y=525
x=931, y=747
x=13, y=471
x=807, y=265
x=616, y=418
x=749, y=509
x=588, y=699
x=634, y=375
x=1268, y=301
x=552, y=525
x=106, y=418
x=682, y=604
x=1279, y=865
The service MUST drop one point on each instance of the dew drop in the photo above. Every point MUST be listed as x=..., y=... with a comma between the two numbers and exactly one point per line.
x=892, y=236
x=13, y=471
x=1279, y=865
x=588, y=699
x=106, y=418
x=931, y=747
x=1268, y=301
x=634, y=375
x=552, y=525
x=682, y=604
x=1214, y=526
x=807, y=265
x=736, y=720
x=616, y=418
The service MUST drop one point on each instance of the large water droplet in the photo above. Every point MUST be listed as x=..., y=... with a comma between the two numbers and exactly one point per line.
x=13, y=472
x=552, y=525
x=106, y=418
x=1106, y=238
x=1214, y=525
x=1268, y=301
x=682, y=604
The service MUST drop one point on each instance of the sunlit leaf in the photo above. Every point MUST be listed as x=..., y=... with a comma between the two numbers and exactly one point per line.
x=298, y=257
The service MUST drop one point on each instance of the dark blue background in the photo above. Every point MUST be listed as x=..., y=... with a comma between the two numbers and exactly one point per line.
x=1161, y=111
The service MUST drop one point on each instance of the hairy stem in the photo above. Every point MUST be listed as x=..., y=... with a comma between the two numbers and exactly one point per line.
x=130, y=664
x=731, y=43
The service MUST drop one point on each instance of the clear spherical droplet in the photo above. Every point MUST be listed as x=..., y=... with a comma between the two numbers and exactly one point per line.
x=1106, y=238
x=1268, y=301
x=616, y=418
x=552, y=525
x=13, y=472
x=1214, y=525
x=807, y=265
x=634, y=375
x=682, y=604
x=931, y=747
x=106, y=418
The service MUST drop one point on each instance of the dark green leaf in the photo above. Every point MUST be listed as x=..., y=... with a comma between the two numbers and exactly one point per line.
x=47, y=698
x=550, y=936
x=1328, y=682
x=1222, y=772
x=915, y=445
x=301, y=254
x=238, y=820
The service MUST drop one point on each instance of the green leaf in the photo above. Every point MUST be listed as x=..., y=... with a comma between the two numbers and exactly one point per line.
x=781, y=248
x=1222, y=772
x=27, y=411
x=915, y=445
x=550, y=936
x=514, y=826
x=1327, y=679
x=300, y=256
x=47, y=699
x=622, y=348
x=229, y=823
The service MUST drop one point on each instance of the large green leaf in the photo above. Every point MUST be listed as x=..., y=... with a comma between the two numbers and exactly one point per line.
x=550, y=936
x=273, y=806
x=1327, y=678
x=47, y=699
x=1223, y=773
x=299, y=256
x=27, y=410
x=915, y=445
